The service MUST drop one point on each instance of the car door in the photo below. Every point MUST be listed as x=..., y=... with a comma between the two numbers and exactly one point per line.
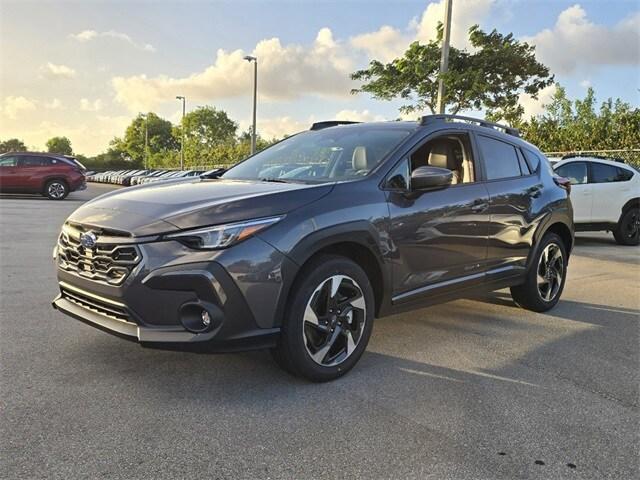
x=9, y=173
x=31, y=171
x=438, y=237
x=582, y=192
x=611, y=189
x=513, y=214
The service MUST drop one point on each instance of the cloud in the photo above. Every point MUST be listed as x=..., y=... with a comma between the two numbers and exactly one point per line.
x=285, y=72
x=88, y=35
x=388, y=43
x=12, y=106
x=51, y=70
x=278, y=127
x=575, y=42
x=534, y=106
x=358, y=116
x=384, y=44
x=54, y=104
x=89, y=106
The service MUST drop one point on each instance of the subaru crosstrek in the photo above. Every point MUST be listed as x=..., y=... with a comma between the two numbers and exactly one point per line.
x=299, y=247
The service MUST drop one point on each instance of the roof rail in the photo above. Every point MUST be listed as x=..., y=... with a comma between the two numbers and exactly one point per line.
x=427, y=119
x=330, y=123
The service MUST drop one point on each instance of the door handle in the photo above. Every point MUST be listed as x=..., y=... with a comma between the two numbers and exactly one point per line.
x=479, y=206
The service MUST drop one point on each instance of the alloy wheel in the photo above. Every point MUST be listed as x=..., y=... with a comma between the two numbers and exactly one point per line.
x=56, y=190
x=550, y=272
x=633, y=225
x=334, y=320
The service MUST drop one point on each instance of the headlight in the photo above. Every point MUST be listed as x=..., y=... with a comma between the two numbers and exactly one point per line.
x=222, y=236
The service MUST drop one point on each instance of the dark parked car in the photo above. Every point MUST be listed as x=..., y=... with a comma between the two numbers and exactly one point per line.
x=51, y=175
x=403, y=215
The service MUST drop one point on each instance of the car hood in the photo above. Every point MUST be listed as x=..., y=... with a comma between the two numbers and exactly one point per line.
x=164, y=207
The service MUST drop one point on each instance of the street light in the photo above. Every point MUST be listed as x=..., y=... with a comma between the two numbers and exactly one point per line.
x=146, y=138
x=444, y=60
x=250, y=58
x=184, y=100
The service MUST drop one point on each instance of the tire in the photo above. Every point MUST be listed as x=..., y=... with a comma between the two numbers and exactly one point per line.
x=328, y=321
x=627, y=231
x=56, y=190
x=545, y=278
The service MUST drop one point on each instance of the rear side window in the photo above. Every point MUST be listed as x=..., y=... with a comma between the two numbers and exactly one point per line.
x=500, y=158
x=576, y=172
x=8, y=161
x=532, y=159
x=31, y=161
x=601, y=173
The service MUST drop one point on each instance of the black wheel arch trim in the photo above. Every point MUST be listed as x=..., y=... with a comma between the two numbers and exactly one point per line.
x=360, y=232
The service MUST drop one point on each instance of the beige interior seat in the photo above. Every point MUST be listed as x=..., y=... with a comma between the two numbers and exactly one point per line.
x=443, y=156
x=360, y=161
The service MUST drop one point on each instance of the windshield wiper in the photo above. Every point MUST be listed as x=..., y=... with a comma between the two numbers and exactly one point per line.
x=274, y=180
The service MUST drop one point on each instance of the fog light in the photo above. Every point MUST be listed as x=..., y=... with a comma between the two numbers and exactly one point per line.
x=206, y=318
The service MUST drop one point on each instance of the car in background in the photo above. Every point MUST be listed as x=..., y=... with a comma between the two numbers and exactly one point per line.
x=48, y=174
x=605, y=195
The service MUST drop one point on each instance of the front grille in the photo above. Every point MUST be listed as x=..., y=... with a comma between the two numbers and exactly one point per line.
x=109, y=263
x=96, y=304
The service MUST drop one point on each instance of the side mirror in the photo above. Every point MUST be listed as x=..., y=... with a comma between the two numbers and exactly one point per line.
x=215, y=173
x=429, y=178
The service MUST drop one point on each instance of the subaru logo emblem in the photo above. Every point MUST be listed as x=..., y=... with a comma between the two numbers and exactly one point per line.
x=88, y=240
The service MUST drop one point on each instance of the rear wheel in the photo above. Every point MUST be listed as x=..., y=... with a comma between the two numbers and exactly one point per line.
x=329, y=320
x=56, y=190
x=545, y=278
x=627, y=231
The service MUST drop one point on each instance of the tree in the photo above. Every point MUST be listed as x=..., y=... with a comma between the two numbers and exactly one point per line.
x=60, y=145
x=12, y=145
x=205, y=128
x=491, y=76
x=160, y=138
x=567, y=125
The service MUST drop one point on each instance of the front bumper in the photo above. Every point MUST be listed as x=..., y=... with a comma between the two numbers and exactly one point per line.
x=172, y=282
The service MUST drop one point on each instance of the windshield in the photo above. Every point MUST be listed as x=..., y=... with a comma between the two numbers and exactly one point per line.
x=328, y=155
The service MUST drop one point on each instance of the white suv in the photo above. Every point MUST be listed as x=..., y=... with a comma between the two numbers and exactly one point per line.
x=605, y=195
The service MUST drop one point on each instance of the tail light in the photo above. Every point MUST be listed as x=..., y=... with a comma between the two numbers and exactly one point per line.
x=563, y=183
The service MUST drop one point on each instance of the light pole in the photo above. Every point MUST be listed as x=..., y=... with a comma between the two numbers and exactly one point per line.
x=444, y=59
x=249, y=58
x=146, y=138
x=184, y=100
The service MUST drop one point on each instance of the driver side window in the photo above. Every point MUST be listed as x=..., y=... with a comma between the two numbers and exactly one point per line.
x=8, y=161
x=451, y=151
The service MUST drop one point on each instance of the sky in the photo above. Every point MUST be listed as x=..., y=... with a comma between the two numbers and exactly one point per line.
x=84, y=69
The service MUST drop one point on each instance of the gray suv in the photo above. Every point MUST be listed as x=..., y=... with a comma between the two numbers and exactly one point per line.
x=299, y=247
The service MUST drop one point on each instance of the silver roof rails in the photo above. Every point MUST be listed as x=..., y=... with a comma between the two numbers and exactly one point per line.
x=330, y=123
x=428, y=119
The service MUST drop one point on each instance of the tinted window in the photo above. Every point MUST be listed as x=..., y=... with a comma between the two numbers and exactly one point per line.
x=532, y=159
x=27, y=161
x=500, y=158
x=8, y=161
x=576, y=172
x=601, y=173
x=399, y=177
x=524, y=167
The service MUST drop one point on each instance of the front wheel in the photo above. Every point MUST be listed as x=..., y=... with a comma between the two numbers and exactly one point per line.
x=546, y=276
x=329, y=320
x=56, y=190
x=627, y=231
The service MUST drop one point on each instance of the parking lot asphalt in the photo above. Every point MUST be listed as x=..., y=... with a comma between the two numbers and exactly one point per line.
x=470, y=389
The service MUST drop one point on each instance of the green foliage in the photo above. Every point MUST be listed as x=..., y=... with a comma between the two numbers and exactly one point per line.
x=159, y=133
x=490, y=77
x=60, y=145
x=12, y=145
x=567, y=125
